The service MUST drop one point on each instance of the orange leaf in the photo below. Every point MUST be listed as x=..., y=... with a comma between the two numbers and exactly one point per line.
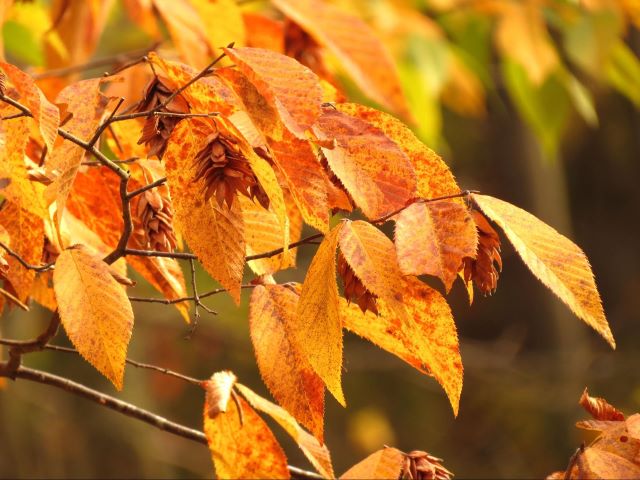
x=432, y=238
x=599, y=408
x=264, y=32
x=428, y=340
x=373, y=169
x=241, y=444
x=303, y=174
x=285, y=371
x=317, y=454
x=355, y=44
x=557, y=262
x=291, y=87
x=87, y=105
x=385, y=463
x=94, y=310
x=187, y=30
x=433, y=176
x=26, y=232
x=215, y=234
x=372, y=257
x=318, y=331
x=596, y=463
x=45, y=113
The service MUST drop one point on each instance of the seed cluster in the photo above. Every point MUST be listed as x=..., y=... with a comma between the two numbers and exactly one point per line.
x=482, y=269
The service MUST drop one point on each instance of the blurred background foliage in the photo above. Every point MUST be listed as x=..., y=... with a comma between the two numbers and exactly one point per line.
x=534, y=101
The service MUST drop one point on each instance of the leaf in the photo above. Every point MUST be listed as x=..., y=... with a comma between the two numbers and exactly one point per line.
x=241, y=444
x=317, y=453
x=355, y=44
x=372, y=257
x=383, y=464
x=291, y=87
x=433, y=177
x=45, y=113
x=557, y=262
x=318, y=331
x=596, y=463
x=427, y=340
x=219, y=388
x=222, y=21
x=187, y=30
x=287, y=374
x=87, y=105
x=26, y=232
x=215, y=235
x=432, y=238
x=94, y=310
x=303, y=174
x=264, y=32
x=599, y=408
x=372, y=168
x=14, y=135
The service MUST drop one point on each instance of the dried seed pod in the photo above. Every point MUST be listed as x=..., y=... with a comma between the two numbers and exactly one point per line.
x=155, y=217
x=354, y=290
x=157, y=128
x=419, y=465
x=482, y=269
x=225, y=170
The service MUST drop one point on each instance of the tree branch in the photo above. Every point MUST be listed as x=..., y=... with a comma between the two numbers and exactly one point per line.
x=125, y=408
x=24, y=263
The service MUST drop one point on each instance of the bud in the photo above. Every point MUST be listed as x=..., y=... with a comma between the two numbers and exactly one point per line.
x=419, y=465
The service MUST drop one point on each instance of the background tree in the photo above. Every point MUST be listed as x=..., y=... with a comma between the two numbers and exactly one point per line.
x=253, y=145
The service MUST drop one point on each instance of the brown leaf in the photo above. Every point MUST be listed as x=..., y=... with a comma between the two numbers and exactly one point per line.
x=219, y=388
x=283, y=368
x=599, y=408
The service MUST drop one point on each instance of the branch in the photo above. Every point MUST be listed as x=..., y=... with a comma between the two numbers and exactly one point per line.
x=24, y=263
x=464, y=193
x=125, y=408
x=173, y=301
x=21, y=347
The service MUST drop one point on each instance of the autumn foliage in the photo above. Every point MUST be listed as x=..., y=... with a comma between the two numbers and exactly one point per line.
x=221, y=155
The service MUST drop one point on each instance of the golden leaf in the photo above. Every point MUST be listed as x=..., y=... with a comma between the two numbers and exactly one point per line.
x=264, y=32
x=557, y=262
x=241, y=444
x=215, y=234
x=433, y=176
x=222, y=21
x=596, y=463
x=291, y=87
x=372, y=168
x=45, y=114
x=599, y=408
x=94, y=310
x=355, y=44
x=383, y=464
x=372, y=257
x=427, y=339
x=287, y=374
x=42, y=291
x=219, y=388
x=26, y=232
x=318, y=331
x=432, y=238
x=317, y=453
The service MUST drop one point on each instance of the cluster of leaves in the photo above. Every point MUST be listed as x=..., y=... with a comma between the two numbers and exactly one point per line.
x=233, y=159
x=614, y=453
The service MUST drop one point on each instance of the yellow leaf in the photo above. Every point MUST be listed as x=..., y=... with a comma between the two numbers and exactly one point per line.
x=557, y=262
x=426, y=339
x=241, y=444
x=355, y=44
x=287, y=374
x=317, y=453
x=187, y=30
x=597, y=463
x=291, y=87
x=372, y=257
x=45, y=113
x=303, y=174
x=432, y=239
x=318, y=331
x=26, y=232
x=215, y=234
x=383, y=464
x=433, y=176
x=372, y=168
x=94, y=310
x=222, y=21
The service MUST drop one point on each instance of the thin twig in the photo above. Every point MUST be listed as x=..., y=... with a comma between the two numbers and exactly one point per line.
x=173, y=301
x=196, y=301
x=117, y=162
x=125, y=408
x=24, y=263
x=140, y=190
x=22, y=347
x=186, y=115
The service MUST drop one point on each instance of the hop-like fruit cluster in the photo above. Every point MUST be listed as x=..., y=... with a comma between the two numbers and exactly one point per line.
x=419, y=465
x=225, y=170
x=482, y=269
x=354, y=290
x=157, y=128
x=156, y=220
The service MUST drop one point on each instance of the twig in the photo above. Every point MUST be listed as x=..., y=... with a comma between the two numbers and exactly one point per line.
x=117, y=162
x=186, y=115
x=125, y=408
x=24, y=263
x=100, y=130
x=155, y=184
x=173, y=301
x=14, y=299
x=22, y=347
x=196, y=301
